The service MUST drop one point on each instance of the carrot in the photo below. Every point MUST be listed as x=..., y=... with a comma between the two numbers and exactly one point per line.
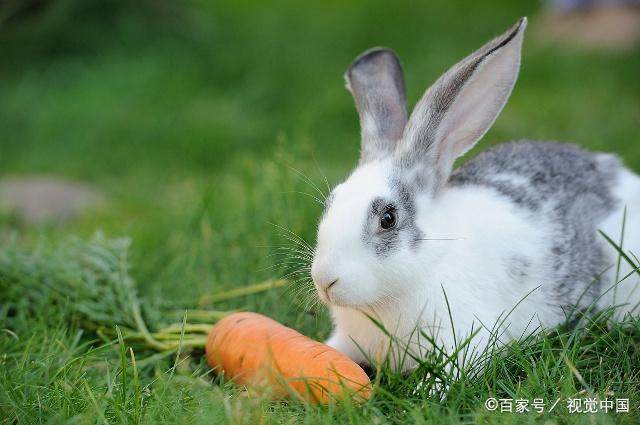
x=259, y=352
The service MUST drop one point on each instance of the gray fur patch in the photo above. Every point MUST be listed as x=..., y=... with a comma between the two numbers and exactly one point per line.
x=518, y=267
x=407, y=201
x=384, y=242
x=561, y=184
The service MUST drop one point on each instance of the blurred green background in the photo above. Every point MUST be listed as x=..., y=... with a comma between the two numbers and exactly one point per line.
x=194, y=117
x=196, y=120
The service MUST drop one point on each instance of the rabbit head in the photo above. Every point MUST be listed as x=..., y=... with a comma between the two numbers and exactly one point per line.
x=370, y=235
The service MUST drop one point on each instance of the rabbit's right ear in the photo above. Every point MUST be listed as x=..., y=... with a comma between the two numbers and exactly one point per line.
x=459, y=108
x=376, y=82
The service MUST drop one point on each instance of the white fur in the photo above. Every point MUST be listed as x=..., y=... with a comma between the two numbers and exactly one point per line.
x=468, y=267
x=472, y=236
x=407, y=290
x=626, y=294
x=340, y=253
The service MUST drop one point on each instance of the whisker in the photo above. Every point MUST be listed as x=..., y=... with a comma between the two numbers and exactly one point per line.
x=308, y=181
x=292, y=255
x=315, y=198
x=302, y=274
x=289, y=231
x=326, y=181
x=296, y=237
x=289, y=250
x=283, y=265
x=304, y=290
x=296, y=256
x=306, y=250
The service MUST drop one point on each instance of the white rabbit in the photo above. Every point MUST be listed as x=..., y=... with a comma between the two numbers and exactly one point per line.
x=515, y=228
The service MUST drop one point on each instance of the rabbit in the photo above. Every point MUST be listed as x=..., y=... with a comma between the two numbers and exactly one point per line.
x=510, y=238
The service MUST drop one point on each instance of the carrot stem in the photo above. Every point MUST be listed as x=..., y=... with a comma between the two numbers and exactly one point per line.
x=137, y=336
x=190, y=343
x=203, y=315
x=172, y=337
x=188, y=328
x=142, y=328
x=243, y=291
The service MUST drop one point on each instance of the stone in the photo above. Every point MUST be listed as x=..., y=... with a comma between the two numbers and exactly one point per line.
x=40, y=199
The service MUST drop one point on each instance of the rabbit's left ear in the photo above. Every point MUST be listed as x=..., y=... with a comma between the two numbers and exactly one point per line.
x=460, y=108
x=376, y=81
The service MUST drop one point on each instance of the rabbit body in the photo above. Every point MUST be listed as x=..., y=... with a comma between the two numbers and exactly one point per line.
x=508, y=240
x=505, y=244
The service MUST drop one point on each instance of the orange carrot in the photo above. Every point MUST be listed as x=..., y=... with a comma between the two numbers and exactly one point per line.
x=259, y=352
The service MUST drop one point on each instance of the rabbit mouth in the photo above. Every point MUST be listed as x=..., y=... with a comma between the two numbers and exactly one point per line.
x=334, y=299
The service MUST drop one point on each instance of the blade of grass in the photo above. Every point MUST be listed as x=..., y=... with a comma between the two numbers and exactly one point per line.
x=94, y=402
x=123, y=369
x=136, y=387
x=243, y=291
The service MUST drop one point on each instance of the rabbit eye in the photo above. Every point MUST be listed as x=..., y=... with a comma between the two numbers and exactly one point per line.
x=388, y=219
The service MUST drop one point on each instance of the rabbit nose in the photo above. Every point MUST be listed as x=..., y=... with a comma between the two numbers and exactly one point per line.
x=324, y=282
x=323, y=279
x=327, y=284
x=324, y=287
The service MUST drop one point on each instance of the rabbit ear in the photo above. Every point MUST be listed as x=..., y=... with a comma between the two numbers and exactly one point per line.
x=460, y=107
x=376, y=82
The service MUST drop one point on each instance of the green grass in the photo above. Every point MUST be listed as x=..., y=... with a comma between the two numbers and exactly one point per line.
x=190, y=118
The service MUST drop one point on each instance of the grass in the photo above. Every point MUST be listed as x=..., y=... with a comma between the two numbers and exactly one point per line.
x=195, y=118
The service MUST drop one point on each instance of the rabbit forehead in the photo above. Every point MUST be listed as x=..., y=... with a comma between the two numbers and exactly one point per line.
x=354, y=196
x=349, y=203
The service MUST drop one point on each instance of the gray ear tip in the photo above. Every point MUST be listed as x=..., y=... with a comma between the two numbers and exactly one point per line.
x=372, y=56
x=375, y=52
x=514, y=33
x=521, y=25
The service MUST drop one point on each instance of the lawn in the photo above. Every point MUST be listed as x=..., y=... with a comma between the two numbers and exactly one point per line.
x=204, y=123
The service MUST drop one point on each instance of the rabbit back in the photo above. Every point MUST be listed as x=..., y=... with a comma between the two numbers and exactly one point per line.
x=564, y=188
